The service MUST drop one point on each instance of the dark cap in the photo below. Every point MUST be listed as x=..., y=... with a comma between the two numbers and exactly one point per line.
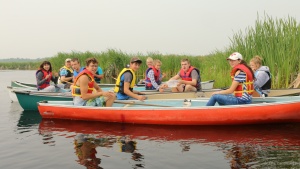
x=135, y=59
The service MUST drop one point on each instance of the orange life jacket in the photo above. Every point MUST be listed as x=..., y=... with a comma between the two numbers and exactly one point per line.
x=188, y=76
x=76, y=89
x=238, y=92
x=47, y=82
x=156, y=76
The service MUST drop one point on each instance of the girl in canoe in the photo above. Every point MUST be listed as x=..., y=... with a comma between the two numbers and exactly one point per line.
x=154, y=77
x=44, y=76
x=241, y=89
x=84, y=86
x=262, y=83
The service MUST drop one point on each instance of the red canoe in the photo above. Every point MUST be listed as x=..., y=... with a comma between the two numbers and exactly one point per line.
x=179, y=112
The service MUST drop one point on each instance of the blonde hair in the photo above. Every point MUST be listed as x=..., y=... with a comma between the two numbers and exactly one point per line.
x=185, y=60
x=257, y=60
x=149, y=59
x=156, y=61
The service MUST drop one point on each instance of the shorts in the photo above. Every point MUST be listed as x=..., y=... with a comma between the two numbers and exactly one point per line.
x=99, y=102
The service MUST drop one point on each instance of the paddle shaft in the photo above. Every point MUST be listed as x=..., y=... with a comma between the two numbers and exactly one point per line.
x=143, y=104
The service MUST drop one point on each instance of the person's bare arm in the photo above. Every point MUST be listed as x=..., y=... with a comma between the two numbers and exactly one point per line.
x=231, y=89
x=193, y=82
x=175, y=77
x=99, y=76
x=132, y=94
x=65, y=79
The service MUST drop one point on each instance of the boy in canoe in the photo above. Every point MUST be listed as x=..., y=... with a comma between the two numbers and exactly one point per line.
x=127, y=80
x=85, y=84
x=190, y=78
x=76, y=67
x=99, y=75
x=66, y=74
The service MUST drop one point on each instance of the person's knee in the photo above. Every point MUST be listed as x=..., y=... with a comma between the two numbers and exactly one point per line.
x=174, y=89
x=50, y=89
x=190, y=88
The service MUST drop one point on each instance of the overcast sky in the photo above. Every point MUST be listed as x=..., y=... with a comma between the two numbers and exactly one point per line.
x=42, y=28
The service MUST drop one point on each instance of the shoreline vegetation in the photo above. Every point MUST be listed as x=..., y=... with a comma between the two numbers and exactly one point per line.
x=277, y=41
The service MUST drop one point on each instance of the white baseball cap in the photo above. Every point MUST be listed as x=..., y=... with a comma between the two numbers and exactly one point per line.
x=235, y=56
x=68, y=60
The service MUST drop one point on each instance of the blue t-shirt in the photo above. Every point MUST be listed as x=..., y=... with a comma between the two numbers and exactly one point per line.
x=99, y=72
x=63, y=72
x=75, y=73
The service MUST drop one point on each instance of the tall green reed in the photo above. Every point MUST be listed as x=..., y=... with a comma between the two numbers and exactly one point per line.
x=277, y=41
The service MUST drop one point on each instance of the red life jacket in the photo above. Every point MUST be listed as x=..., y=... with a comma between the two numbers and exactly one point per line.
x=76, y=89
x=188, y=76
x=47, y=81
x=156, y=76
x=238, y=92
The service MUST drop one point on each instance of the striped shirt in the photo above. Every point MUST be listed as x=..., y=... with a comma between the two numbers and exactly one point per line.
x=241, y=78
x=152, y=79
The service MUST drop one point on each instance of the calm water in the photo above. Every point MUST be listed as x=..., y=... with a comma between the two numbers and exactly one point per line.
x=29, y=142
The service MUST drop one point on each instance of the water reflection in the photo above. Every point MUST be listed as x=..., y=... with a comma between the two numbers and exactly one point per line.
x=250, y=146
x=243, y=155
x=85, y=149
x=128, y=145
x=28, y=121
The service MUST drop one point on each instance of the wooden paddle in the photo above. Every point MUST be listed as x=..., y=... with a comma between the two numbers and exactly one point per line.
x=138, y=103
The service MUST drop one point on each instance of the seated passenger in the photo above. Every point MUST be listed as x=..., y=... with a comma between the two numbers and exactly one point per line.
x=127, y=80
x=85, y=84
x=190, y=78
x=44, y=76
x=262, y=82
x=241, y=89
x=154, y=77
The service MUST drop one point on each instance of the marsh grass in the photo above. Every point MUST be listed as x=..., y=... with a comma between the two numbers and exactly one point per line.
x=277, y=41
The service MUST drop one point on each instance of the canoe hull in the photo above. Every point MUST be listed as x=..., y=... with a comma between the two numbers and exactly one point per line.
x=29, y=102
x=23, y=85
x=218, y=115
x=12, y=94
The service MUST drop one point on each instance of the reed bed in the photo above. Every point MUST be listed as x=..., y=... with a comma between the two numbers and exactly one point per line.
x=277, y=41
x=113, y=61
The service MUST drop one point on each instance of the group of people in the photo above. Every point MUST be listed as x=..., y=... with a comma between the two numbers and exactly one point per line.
x=65, y=78
x=86, y=91
x=83, y=81
x=245, y=81
x=189, y=75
